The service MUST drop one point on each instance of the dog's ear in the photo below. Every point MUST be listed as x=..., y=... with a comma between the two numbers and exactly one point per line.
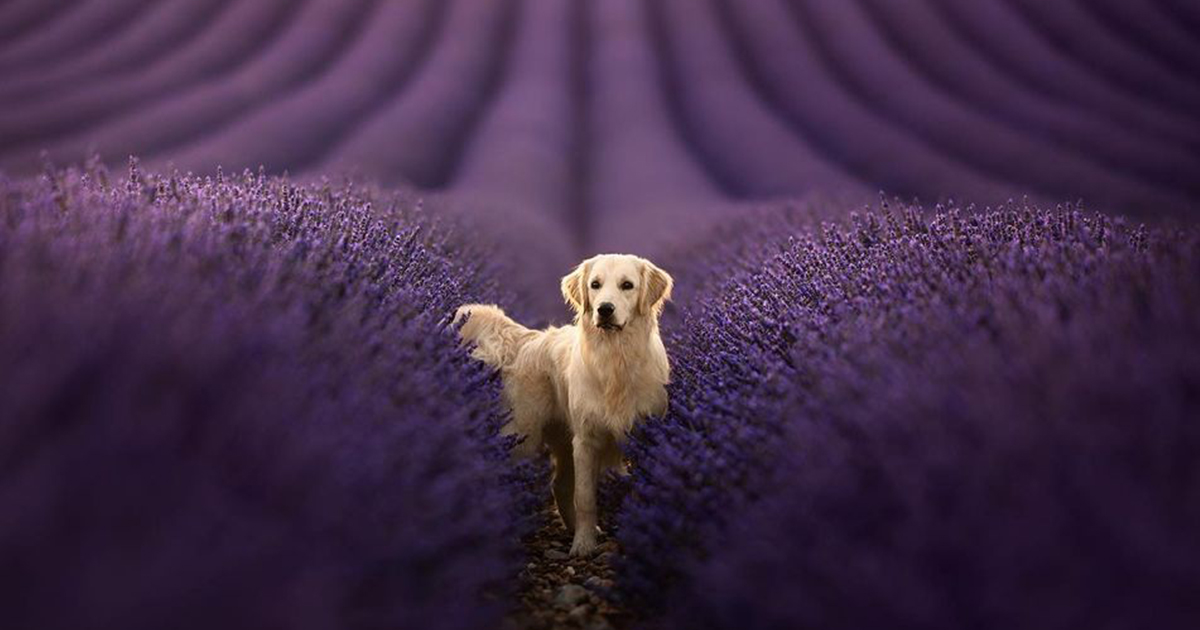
x=656, y=288
x=573, y=289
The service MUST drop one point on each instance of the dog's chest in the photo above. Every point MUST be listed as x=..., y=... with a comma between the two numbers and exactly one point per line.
x=617, y=395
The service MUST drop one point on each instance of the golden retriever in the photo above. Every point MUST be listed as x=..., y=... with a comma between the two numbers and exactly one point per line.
x=579, y=389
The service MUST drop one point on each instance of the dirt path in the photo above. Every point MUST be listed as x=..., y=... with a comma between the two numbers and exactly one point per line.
x=558, y=591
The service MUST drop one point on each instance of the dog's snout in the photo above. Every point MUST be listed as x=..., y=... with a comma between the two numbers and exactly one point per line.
x=605, y=309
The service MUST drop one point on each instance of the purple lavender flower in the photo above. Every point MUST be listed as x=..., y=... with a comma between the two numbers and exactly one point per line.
x=941, y=420
x=235, y=402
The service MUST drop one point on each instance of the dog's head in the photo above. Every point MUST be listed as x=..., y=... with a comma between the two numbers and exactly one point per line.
x=611, y=290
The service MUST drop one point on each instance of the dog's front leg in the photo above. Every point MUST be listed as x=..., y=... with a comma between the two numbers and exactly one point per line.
x=586, y=449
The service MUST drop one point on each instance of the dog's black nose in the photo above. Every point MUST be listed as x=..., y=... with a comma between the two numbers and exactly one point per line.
x=606, y=309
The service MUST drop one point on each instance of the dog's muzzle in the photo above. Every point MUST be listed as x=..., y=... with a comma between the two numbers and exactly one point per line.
x=606, y=322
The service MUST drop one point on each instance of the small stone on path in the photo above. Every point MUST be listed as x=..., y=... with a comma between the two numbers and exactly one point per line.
x=599, y=623
x=570, y=595
x=595, y=582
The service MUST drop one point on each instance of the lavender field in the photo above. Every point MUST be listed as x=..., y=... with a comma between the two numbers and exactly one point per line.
x=935, y=337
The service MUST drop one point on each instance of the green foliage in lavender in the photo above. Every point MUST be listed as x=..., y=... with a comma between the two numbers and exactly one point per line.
x=235, y=402
x=931, y=420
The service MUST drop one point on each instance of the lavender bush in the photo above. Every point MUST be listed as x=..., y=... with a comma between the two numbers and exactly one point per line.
x=948, y=420
x=233, y=402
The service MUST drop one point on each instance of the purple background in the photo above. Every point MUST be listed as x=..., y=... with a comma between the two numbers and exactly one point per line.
x=575, y=119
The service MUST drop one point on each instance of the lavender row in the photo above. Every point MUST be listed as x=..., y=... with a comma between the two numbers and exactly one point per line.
x=234, y=402
x=928, y=420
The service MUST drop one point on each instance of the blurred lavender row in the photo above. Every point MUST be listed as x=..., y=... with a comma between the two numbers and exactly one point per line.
x=236, y=402
x=584, y=116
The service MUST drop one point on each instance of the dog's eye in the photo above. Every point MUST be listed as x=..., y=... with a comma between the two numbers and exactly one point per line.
x=595, y=284
x=627, y=285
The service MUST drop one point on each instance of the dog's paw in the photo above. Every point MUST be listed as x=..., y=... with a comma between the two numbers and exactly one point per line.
x=584, y=543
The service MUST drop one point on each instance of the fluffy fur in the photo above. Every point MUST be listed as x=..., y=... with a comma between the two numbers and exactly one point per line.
x=579, y=389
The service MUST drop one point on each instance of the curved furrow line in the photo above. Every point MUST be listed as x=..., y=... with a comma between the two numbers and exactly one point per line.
x=1076, y=33
x=641, y=174
x=23, y=17
x=1144, y=27
x=173, y=24
x=999, y=33
x=868, y=68
x=743, y=142
x=669, y=85
x=581, y=45
x=236, y=38
x=518, y=159
x=74, y=34
x=314, y=40
x=419, y=134
x=783, y=65
x=1186, y=12
x=943, y=57
x=293, y=131
x=516, y=175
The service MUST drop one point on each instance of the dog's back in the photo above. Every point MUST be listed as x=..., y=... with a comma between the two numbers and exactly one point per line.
x=497, y=338
x=532, y=362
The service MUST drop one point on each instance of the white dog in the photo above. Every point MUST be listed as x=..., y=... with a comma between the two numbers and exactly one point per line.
x=579, y=389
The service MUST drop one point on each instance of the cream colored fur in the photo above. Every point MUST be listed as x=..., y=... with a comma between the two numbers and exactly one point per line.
x=579, y=389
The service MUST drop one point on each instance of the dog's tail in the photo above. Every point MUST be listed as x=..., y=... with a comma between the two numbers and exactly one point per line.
x=497, y=337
